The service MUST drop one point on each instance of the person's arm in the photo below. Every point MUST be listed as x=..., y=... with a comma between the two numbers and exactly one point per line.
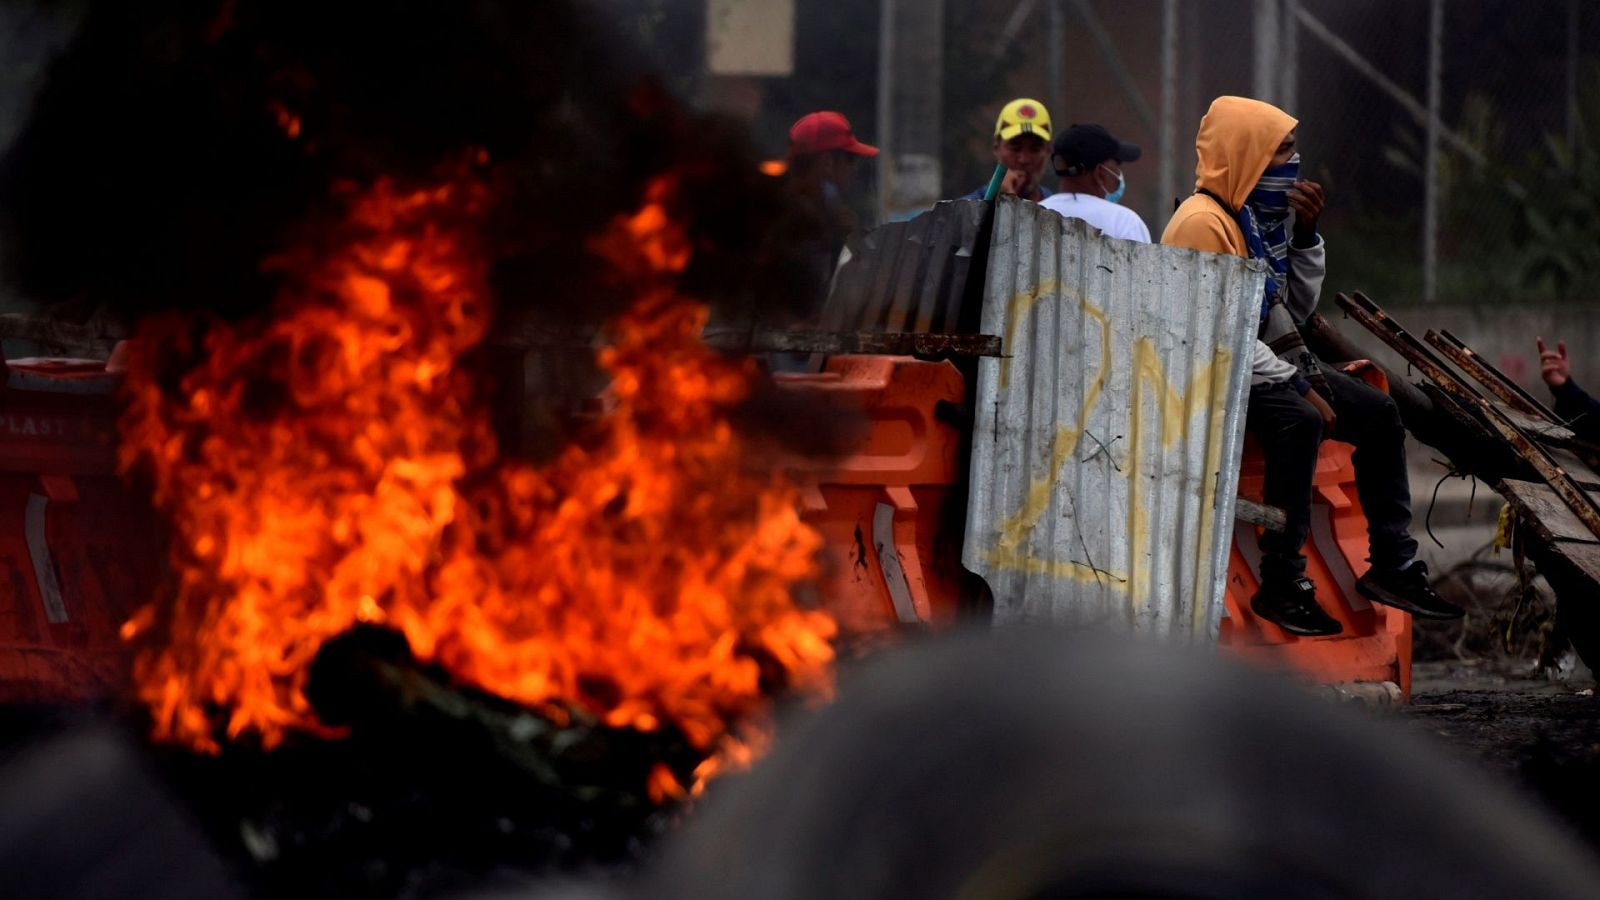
x=1308, y=256
x=1022, y=184
x=1267, y=368
x=1573, y=403
x=1307, y=268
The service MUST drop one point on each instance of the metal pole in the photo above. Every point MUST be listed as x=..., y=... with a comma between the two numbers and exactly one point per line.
x=1289, y=71
x=885, y=111
x=1573, y=18
x=1168, y=138
x=1013, y=26
x=1057, y=32
x=1342, y=49
x=1267, y=32
x=1191, y=103
x=1430, y=209
x=1119, y=69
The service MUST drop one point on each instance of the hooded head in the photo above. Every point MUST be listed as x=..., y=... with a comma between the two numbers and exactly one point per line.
x=1237, y=140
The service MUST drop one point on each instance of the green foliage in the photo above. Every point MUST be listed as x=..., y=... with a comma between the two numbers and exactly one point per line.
x=1480, y=227
x=1562, y=214
x=1524, y=226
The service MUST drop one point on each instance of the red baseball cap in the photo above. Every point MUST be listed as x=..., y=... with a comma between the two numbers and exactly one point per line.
x=820, y=132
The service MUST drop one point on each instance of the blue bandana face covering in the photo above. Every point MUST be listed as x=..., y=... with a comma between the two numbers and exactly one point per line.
x=1264, y=219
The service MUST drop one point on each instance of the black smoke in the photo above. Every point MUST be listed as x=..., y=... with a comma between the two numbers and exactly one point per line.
x=155, y=172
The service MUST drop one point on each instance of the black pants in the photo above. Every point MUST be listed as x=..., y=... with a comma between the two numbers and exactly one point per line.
x=1289, y=429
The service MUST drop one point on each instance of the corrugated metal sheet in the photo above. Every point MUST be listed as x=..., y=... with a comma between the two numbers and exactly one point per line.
x=1106, y=443
x=908, y=276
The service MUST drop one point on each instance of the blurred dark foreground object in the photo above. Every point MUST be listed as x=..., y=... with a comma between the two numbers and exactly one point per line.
x=1056, y=766
x=82, y=818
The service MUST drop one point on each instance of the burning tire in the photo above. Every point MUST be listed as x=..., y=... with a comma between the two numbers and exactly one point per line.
x=1070, y=767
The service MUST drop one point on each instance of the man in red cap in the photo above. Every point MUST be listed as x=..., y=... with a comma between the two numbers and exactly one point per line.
x=820, y=132
x=823, y=154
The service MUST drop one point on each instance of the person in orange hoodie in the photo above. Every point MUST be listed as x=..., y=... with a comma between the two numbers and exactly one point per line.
x=1249, y=201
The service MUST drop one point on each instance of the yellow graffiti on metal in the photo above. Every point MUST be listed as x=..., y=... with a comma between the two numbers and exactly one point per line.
x=1007, y=549
x=1208, y=489
x=1175, y=411
x=1021, y=305
x=1176, y=408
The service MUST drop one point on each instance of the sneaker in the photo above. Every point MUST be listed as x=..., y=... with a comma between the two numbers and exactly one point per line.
x=1407, y=589
x=1292, y=606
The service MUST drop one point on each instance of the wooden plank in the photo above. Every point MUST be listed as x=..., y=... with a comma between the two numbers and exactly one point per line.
x=1575, y=467
x=1545, y=512
x=1364, y=310
x=1504, y=388
x=1269, y=517
x=1541, y=428
x=1557, y=478
x=1522, y=408
x=1581, y=472
x=1583, y=557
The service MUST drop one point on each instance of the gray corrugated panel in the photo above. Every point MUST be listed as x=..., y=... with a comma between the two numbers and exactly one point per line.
x=907, y=276
x=1106, y=444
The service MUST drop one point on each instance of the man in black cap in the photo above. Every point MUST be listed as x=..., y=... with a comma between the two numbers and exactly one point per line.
x=1089, y=161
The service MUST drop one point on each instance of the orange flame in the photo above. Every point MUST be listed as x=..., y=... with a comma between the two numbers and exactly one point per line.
x=313, y=468
x=288, y=121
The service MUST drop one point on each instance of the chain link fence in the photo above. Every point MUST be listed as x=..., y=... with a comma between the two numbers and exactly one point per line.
x=1515, y=183
x=1516, y=194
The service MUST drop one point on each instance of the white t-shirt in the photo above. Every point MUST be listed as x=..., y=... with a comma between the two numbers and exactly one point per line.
x=1116, y=221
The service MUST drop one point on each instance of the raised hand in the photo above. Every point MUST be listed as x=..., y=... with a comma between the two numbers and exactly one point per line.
x=1021, y=183
x=1553, y=365
x=1306, y=199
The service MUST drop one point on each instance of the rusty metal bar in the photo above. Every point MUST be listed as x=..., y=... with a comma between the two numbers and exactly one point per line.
x=772, y=341
x=1454, y=407
x=53, y=332
x=1487, y=375
x=1577, y=500
x=1372, y=317
x=1364, y=310
x=61, y=333
x=856, y=342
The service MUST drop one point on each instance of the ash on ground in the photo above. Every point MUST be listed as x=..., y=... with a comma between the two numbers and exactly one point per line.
x=1503, y=686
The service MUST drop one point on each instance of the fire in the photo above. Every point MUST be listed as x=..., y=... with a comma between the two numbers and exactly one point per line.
x=330, y=464
x=288, y=121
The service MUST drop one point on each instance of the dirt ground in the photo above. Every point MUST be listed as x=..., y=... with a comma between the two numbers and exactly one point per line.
x=1502, y=686
x=1541, y=733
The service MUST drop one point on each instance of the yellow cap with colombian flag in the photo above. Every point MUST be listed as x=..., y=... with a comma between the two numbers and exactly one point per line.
x=1023, y=116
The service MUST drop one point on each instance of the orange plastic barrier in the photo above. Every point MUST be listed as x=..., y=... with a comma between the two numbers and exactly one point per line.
x=1376, y=643
x=889, y=511
x=78, y=552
